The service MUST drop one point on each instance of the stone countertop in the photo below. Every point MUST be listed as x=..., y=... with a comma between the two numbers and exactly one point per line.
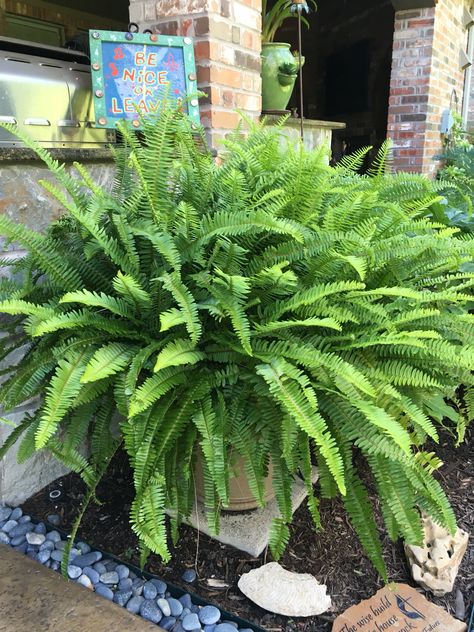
x=295, y=122
x=68, y=155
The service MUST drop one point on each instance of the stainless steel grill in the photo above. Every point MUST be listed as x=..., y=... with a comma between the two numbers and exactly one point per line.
x=46, y=91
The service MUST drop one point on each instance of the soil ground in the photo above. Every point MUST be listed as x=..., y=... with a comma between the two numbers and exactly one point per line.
x=334, y=556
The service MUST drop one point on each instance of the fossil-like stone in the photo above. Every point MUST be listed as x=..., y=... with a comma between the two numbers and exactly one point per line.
x=435, y=564
x=283, y=592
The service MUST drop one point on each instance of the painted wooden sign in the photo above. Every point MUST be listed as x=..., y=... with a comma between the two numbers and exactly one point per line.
x=397, y=608
x=133, y=72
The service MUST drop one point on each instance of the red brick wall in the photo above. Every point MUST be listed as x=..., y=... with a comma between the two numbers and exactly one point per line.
x=227, y=48
x=425, y=72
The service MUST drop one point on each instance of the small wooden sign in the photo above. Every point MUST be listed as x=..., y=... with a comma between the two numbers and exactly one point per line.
x=397, y=608
x=133, y=72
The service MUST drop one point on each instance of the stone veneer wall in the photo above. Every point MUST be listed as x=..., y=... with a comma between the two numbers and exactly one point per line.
x=227, y=48
x=24, y=200
x=425, y=72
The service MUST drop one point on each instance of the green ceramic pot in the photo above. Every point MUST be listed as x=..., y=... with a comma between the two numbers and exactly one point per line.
x=277, y=88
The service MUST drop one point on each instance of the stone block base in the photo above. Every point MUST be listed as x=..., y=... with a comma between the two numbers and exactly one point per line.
x=248, y=531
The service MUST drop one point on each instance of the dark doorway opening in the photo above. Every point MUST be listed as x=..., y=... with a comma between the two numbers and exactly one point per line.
x=348, y=57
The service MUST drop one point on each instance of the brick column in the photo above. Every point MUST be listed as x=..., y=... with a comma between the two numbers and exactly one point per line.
x=227, y=36
x=426, y=78
x=409, y=87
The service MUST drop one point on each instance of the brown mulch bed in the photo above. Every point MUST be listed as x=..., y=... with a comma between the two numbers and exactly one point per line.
x=334, y=556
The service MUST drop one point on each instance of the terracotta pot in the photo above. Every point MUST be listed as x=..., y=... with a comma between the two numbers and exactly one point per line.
x=240, y=494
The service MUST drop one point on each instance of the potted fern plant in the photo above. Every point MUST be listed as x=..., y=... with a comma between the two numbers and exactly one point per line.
x=268, y=305
x=279, y=66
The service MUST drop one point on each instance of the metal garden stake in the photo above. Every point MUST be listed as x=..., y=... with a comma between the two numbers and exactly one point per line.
x=298, y=7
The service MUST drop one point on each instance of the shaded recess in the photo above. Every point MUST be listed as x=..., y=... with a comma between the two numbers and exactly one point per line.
x=348, y=56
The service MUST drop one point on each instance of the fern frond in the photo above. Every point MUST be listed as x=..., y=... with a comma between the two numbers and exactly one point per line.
x=293, y=400
x=131, y=290
x=388, y=424
x=177, y=353
x=362, y=518
x=44, y=252
x=108, y=360
x=148, y=517
x=60, y=394
x=162, y=242
x=381, y=164
x=155, y=387
x=79, y=319
x=16, y=433
x=212, y=445
x=103, y=301
x=279, y=537
x=185, y=300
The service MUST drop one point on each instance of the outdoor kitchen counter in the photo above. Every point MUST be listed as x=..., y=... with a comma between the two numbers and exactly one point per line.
x=23, y=154
x=316, y=132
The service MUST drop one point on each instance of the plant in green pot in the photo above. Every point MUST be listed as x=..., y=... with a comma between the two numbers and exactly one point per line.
x=279, y=66
x=269, y=306
x=287, y=73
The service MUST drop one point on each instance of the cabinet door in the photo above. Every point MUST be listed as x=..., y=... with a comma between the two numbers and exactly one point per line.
x=32, y=30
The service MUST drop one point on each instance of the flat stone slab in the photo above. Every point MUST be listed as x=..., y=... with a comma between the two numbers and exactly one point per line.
x=249, y=531
x=36, y=599
x=397, y=608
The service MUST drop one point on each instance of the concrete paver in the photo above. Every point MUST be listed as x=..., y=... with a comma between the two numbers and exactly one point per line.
x=36, y=599
x=248, y=531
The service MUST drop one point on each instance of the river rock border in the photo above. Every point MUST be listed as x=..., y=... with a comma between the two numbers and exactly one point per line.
x=112, y=580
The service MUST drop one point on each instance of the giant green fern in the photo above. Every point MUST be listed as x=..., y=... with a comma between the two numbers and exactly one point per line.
x=270, y=306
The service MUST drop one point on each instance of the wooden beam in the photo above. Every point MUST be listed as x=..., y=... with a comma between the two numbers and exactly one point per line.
x=404, y=5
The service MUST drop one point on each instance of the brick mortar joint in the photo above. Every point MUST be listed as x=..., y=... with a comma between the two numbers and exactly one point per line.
x=218, y=17
x=209, y=63
x=222, y=86
x=240, y=47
